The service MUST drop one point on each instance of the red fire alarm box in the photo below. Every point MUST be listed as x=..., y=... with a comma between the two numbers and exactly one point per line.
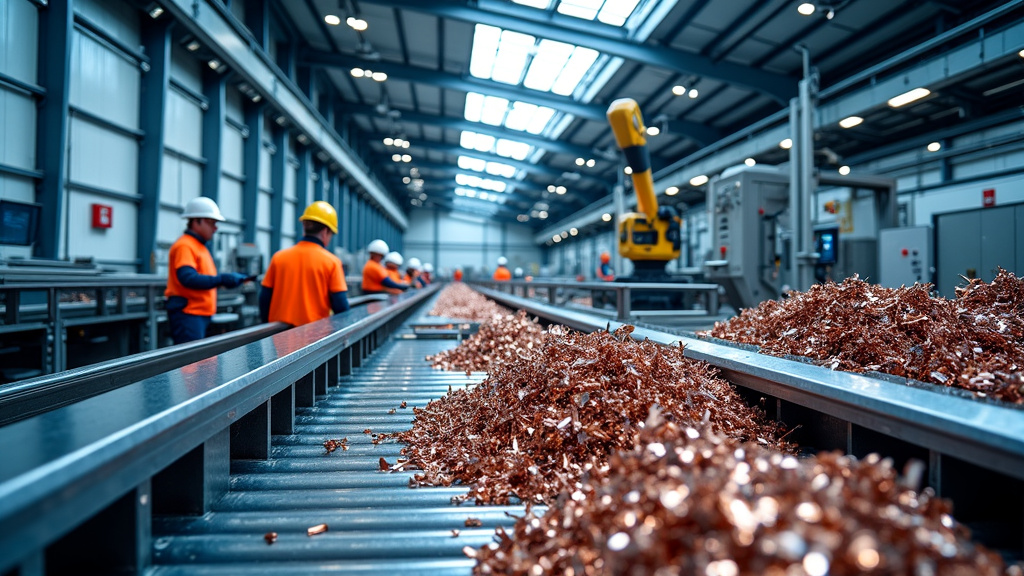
x=102, y=216
x=988, y=198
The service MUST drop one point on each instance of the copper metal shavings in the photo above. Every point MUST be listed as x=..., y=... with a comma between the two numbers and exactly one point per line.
x=473, y=522
x=499, y=339
x=974, y=342
x=270, y=537
x=540, y=421
x=685, y=500
x=332, y=445
x=318, y=529
x=460, y=301
x=384, y=466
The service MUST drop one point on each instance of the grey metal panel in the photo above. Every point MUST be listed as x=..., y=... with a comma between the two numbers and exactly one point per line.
x=103, y=82
x=957, y=249
x=997, y=240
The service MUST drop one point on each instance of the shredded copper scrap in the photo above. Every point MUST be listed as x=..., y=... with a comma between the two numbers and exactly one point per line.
x=368, y=431
x=974, y=342
x=455, y=533
x=318, y=529
x=546, y=417
x=702, y=503
x=497, y=340
x=473, y=522
x=460, y=301
x=332, y=445
x=392, y=411
x=403, y=404
x=270, y=537
x=384, y=466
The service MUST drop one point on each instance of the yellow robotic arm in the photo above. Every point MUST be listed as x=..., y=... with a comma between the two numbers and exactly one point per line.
x=650, y=236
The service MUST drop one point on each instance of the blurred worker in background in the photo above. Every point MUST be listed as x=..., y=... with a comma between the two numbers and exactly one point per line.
x=306, y=282
x=517, y=273
x=393, y=263
x=375, y=276
x=502, y=273
x=412, y=273
x=604, y=269
x=192, y=278
x=457, y=275
x=428, y=273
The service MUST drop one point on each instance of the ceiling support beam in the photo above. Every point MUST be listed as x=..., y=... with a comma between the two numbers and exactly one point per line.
x=605, y=39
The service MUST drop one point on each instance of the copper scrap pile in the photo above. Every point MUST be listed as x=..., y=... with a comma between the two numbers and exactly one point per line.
x=975, y=341
x=689, y=501
x=460, y=301
x=557, y=410
x=497, y=340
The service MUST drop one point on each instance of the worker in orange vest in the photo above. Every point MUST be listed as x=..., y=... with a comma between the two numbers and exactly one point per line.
x=306, y=282
x=376, y=279
x=193, y=279
x=604, y=269
x=457, y=276
x=502, y=273
x=393, y=263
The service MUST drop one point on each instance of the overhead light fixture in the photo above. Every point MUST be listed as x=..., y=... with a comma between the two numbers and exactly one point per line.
x=564, y=234
x=256, y=97
x=523, y=217
x=591, y=163
x=699, y=180
x=281, y=120
x=156, y=12
x=556, y=238
x=213, y=64
x=850, y=121
x=671, y=190
x=679, y=90
x=356, y=23
x=750, y=162
x=628, y=170
x=406, y=158
x=406, y=180
x=908, y=97
x=606, y=217
x=560, y=190
x=1021, y=53
x=653, y=130
x=551, y=188
x=786, y=144
x=332, y=19
x=379, y=76
x=693, y=93
x=580, y=161
x=302, y=138
x=844, y=170
x=389, y=141
x=357, y=72
x=396, y=157
x=542, y=214
x=192, y=46
x=806, y=8
x=573, y=231
x=934, y=147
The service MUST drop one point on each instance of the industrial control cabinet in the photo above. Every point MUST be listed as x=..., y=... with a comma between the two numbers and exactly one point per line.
x=905, y=256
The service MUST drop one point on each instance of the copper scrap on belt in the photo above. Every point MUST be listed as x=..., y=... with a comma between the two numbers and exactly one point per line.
x=473, y=522
x=974, y=342
x=500, y=339
x=685, y=500
x=460, y=301
x=384, y=466
x=270, y=537
x=554, y=412
x=332, y=445
x=318, y=529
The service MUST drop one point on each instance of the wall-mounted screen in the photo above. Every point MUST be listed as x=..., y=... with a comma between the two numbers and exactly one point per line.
x=19, y=222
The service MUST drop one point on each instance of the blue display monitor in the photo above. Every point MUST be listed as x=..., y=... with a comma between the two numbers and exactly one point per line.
x=19, y=222
x=827, y=245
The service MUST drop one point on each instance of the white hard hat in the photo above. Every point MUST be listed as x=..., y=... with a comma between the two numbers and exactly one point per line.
x=428, y=267
x=502, y=260
x=414, y=263
x=378, y=246
x=393, y=258
x=518, y=272
x=202, y=207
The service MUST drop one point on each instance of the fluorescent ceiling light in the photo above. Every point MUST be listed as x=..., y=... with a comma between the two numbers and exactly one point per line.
x=750, y=162
x=671, y=190
x=699, y=180
x=786, y=144
x=934, y=147
x=332, y=19
x=679, y=90
x=850, y=121
x=844, y=170
x=806, y=8
x=908, y=97
x=356, y=23
x=606, y=217
x=653, y=130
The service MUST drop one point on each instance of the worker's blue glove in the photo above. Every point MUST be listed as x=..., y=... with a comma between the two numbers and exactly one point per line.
x=232, y=279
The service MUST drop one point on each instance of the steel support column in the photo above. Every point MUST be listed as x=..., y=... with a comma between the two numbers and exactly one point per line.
x=251, y=158
x=278, y=166
x=153, y=109
x=214, y=89
x=54, y=49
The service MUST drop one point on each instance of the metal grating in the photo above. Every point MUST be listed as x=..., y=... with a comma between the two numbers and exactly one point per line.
x=377, y=524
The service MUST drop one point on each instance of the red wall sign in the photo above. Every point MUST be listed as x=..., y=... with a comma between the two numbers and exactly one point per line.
x=988, y=198
x=102, y=216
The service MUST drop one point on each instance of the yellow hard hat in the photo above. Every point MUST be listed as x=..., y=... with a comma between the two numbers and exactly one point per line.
x=323, y=213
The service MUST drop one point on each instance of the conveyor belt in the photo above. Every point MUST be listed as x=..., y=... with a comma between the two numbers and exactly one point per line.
x=377, y=524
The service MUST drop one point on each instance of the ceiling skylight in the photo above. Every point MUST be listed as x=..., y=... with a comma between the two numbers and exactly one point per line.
x=613, y=12
x=493, y=168
x=478, y=182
